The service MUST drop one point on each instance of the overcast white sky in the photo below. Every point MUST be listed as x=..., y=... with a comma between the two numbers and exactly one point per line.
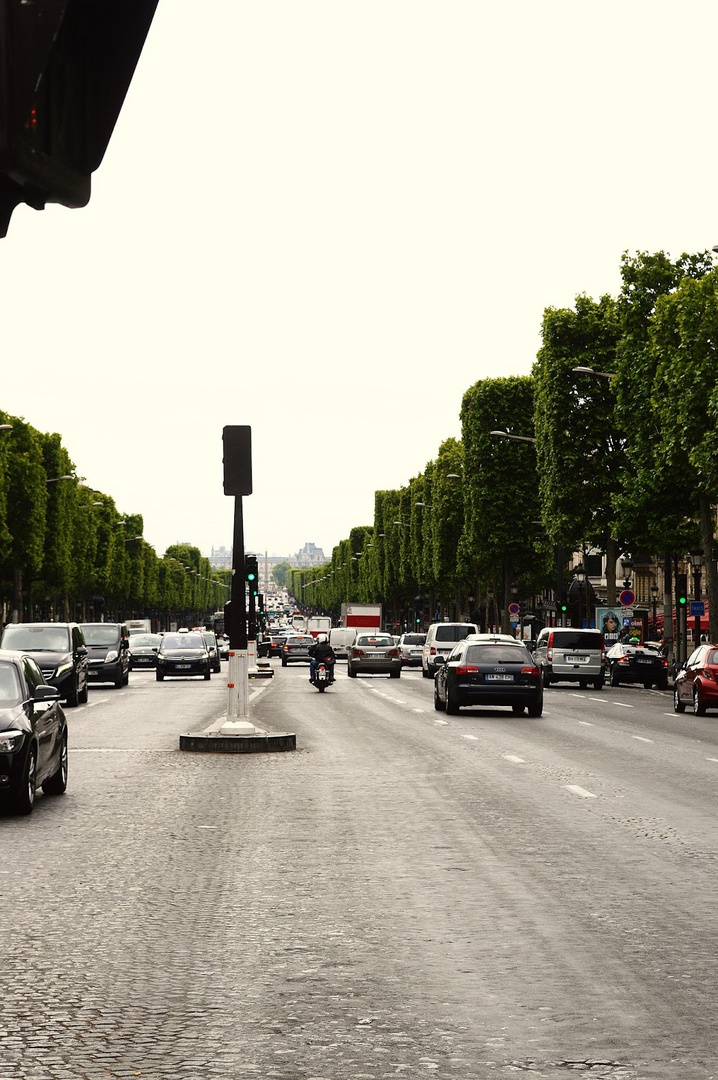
x=327, y=220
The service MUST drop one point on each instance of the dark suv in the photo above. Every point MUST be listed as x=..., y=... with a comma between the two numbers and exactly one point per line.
x=108, y=652
x=59, y=651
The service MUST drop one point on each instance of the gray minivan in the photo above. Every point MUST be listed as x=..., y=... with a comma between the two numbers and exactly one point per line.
x=571, y=654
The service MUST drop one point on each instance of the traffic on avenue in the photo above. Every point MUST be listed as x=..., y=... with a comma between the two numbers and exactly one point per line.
x=464, y=892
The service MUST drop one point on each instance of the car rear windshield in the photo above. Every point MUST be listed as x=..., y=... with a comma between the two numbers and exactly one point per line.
x=454, y=632
x=414, y=639
x=498, y=654
x=141, y=640
x=36, y=638
x=103, y=634
x=574, y=639
x=375, y=639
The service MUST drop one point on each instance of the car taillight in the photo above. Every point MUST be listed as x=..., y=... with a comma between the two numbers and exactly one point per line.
x=357, y=652
x=624, y=659
x=286, y=648
x=549, y=654
x=466, y=669
x=432, y=651
x=531, y=670
x=393, y=652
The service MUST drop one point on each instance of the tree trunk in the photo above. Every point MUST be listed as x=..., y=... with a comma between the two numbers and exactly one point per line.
x=711, y=579
x=611, y=559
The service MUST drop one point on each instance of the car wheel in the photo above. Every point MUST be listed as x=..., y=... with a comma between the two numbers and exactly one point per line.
x=614, y=677
x=394, y=674
x=159, y=676
x=662, y=685
x=56, y=784
x=699, y=708
x=438, y=703
x=583, y=684
x=647, y=685
x=73, y=698
x=452, y=706
x=678, y=705
x=536, y=707
x=351, y=672
x=284, y=662
x=545, y=677
x=118, y=679
x=598, y=684
x=425, y=672
x=517, y=710
x=126, y=679
x=24, y=798
x=207, y=676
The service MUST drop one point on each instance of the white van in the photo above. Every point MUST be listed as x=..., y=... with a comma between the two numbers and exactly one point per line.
x=571, y=654
x=440, y=640
x=341, y=638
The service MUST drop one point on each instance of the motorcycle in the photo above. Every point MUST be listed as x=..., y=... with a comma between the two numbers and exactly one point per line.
x=322, y=677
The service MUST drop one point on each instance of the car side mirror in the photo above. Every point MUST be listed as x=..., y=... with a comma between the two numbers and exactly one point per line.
x=46, y=693
x=439, y=660
x=81, y=650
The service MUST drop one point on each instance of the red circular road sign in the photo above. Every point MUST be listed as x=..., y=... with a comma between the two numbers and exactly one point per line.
x=627, y=598
x=514, y=609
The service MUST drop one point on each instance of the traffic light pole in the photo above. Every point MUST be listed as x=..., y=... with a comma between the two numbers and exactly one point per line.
x=238, y=683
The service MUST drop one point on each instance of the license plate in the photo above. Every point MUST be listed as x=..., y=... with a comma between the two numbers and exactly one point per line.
x=576, y=659
x=183, y=666
x=643, y=660
x=500, y=678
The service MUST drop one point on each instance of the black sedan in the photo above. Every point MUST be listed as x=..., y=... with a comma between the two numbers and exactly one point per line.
x=183, y=654
x=637, y=664
x=33, y=734
x=143, y=650
x=490, y=673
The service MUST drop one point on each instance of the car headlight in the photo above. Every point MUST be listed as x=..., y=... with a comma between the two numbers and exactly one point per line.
x=63, y=669
x=10, y=741
x=111, y=656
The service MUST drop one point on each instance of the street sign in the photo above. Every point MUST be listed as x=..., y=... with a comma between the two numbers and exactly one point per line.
x=514, y=609
x=698, y=607
x=627, y=598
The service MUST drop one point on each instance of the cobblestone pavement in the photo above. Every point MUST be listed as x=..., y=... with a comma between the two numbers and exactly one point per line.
x=374, y=905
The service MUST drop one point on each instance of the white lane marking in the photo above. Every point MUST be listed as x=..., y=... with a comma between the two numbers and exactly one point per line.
x=585, y=723
x=576, y=790
x=422, y=712
x=442, y=723
x=97, y=701
x=474, y=738
x=712, y=759
x=577, y=695
x=119, y=750
x=622, y=704
x=640, y=738
x=513, y=757
x=601, y=699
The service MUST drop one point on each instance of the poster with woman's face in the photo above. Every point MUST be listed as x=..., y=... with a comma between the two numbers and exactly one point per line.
x=610, y=625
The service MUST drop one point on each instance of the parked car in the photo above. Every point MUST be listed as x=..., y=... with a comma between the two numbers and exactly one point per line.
x=440, y=640
x=143, y=650
x=210, y=641
x=696, y=682
x=571, y=654
x=108, y=652
x=636, y=664
x=223, y=646
x=296, y=647
x=410, y=648
x=33, y=734
x=60, y=652
x=489, y=673
x=373, y=653
x=183, y=654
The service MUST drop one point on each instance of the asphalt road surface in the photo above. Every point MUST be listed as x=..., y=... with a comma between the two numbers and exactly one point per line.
x=407, y=894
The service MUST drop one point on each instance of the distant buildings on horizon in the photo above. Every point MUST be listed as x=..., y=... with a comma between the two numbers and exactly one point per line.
x=310, y=555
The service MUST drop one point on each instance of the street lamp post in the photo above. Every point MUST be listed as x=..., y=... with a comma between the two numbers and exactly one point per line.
x=579, y=576
x=654, y=601
x=696, y=557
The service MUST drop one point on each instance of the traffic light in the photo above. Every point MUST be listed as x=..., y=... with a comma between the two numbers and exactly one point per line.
x=563, y=606
x=681, y=590
x=65, y=68
x=251, y=574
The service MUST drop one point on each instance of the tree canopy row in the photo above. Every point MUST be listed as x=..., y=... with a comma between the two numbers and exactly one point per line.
x=67, y=553
x=614, y=451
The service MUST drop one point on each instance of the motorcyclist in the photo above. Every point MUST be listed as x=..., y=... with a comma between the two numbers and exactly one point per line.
x=322, y=653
